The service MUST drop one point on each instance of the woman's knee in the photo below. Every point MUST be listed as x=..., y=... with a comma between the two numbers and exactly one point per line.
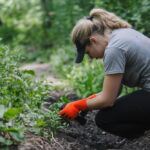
x=102, y=119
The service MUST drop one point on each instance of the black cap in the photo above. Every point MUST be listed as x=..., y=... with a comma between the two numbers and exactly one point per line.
x=80, y=51
x=81, y=47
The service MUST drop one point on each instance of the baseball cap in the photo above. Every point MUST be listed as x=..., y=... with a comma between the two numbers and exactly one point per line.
x=80, y=51
x=81, y=47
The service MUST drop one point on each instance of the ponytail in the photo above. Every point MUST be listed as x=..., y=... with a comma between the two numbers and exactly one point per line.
x=108, y=19
x=99, y=21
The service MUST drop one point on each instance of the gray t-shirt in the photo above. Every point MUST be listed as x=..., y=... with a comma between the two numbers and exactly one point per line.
x=128, y=52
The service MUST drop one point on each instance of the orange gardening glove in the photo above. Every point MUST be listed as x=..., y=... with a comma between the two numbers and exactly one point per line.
x=92, y=96
x=72, y=109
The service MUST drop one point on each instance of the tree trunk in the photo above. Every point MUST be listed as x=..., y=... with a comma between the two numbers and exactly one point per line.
x=47, y=6
x=1, y=23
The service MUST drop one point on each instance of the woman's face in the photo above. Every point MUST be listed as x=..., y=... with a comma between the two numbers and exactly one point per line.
x=97, y=47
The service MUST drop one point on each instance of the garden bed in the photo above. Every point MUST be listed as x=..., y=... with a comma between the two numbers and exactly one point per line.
x=89, y=136
x=78, y=137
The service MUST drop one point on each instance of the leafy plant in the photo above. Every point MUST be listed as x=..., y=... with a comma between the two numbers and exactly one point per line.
x=87, y=77
x=21, y=101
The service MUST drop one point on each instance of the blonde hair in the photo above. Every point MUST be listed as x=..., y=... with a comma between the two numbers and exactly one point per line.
x=102, y=21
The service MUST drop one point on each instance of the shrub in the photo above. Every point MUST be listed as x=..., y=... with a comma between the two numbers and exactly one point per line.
x=21, y=101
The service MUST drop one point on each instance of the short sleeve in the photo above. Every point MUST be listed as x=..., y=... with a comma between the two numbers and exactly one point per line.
x=114, y=60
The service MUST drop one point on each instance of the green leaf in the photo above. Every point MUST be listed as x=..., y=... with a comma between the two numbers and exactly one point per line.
x=40, y=123
x=10, y=113
x=5, y=142
x=18, y=136
x=12, y=130
x=2, y=110
x=35, y=130
x=31, y=72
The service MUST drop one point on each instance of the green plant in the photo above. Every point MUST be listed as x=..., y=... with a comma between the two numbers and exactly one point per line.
x=87, y=78
x=21, y=101
x=62, y=60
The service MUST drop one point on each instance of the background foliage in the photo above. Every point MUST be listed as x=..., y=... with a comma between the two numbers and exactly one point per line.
x=22, y=102
x=37, y=26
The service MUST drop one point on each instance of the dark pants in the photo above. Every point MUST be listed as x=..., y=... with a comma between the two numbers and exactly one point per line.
x=129, y=116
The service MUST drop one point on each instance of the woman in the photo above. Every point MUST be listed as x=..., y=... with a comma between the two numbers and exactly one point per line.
x=126, y=58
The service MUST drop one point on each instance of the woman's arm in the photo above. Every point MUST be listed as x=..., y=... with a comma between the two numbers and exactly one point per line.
x=98, y=93
x=109, y=93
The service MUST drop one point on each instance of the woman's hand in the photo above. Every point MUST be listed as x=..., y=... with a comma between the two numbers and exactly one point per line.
x=70, y=111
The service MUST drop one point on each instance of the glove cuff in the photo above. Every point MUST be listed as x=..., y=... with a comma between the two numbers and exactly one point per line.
x=81, y=104
x=92, y=96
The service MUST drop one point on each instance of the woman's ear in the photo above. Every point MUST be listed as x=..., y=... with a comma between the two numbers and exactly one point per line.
x=93, y=39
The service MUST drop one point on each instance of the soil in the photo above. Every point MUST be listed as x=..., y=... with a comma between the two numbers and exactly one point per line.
x=87, y=137
x=44, y=71
x=90, y=137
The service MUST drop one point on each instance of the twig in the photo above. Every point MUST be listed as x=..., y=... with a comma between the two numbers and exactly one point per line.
x=55, y=140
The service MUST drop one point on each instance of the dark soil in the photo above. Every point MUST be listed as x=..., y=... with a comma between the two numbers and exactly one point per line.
x=90, y=137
